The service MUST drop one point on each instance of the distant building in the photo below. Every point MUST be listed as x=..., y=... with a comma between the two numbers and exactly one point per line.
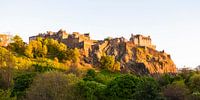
x=141, y=40
x=61, y=34
x=74, y=40
x=4, y=39
x=85, y=44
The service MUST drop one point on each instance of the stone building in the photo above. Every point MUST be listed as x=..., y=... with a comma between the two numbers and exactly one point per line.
x=80, y=41
x=86, y=45
x=4, y=39
x=61, y=34
x=74, y=40
x=141, y=40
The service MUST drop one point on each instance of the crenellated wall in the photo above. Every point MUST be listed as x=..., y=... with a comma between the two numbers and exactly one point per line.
x=141, y=40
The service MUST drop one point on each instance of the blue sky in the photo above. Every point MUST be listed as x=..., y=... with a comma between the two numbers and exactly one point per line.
x=174, y=25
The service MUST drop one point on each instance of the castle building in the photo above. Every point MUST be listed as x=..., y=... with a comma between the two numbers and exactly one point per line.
x=74, y=40
x=85, y=44
x=61, y=34
x=141, y=40
x=4, y=39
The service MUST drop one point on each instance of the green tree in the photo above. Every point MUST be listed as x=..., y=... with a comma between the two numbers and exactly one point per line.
x=6, y=95
x=17, y=44
x=165, y=79
x=91, y=90
x=90, y=75
x=148, y=89
x=194, y=82
x=53, y=86
x=21, y=83
x=123, y=87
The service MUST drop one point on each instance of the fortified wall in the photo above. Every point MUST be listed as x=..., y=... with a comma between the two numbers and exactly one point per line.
x=74, y=40
x=141, y=40
x=83, y=41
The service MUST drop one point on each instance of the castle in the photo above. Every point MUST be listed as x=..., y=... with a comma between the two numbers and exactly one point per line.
x=83, y=41
x=4, y=39
x=74, y=40
x=141, y=40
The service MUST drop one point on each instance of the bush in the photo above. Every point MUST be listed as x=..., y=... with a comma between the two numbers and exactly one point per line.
x=53, y=86
x=148, y=89
x=108, y=62
x=123, y=87
x=21, y=83
x=176, y=91
x=90, y=75
x=165, y=79
x=194, y=83
x=5, y=95
x=91, y=90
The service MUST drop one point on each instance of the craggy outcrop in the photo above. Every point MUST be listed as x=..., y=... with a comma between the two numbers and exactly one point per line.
x=134, y=58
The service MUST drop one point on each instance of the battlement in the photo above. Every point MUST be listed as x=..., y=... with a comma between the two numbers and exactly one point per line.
x=74, y=40
x=61, y=34
x=141, y=40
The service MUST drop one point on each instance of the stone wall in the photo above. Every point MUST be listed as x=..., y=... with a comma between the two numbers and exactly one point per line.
x=141, y=40
x=74, y=40
x=83, y=41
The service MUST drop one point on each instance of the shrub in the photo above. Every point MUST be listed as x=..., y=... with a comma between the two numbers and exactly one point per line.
x=91, y=90
x=176, y=91
x=148, y=89
x=194, y=83
x=123, y=87
x=53, y=86
x=5, y=95
x=21, y=83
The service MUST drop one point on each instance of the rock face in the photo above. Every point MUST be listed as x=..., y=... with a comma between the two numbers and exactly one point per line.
x=133, y=57
x=137, y=55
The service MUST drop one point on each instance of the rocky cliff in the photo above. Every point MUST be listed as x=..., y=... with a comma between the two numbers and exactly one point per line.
x=133, y=58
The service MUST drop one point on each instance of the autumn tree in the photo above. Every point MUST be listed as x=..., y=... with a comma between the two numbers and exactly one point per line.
x=7, y=64
x=17, y=45
x=56, y=49
x=108, y=62
x=36, y=49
